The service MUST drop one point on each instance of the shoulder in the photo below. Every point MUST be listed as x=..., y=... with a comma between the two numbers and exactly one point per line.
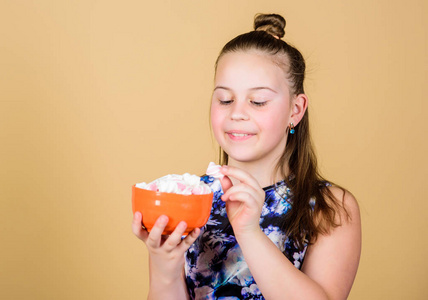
x=337, y=207
x=347, y=206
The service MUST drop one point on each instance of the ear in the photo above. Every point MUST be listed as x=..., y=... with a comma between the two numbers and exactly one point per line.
x=298, y=108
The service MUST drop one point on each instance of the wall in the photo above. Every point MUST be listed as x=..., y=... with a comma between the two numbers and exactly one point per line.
x=98, y=95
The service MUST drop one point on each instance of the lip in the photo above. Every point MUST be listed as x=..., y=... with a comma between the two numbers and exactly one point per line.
x=237, y=135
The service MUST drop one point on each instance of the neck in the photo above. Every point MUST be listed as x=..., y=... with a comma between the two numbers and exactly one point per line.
x=262, y=171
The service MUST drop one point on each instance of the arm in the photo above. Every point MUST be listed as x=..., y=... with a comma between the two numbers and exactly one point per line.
x=330, y=264
x=166, y=258
x=333, y=260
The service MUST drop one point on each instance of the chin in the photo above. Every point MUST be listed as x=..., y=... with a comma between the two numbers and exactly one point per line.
x=242, y=157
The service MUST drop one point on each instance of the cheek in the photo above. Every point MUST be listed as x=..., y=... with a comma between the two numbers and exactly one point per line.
x=216, y=119
x=275, y=122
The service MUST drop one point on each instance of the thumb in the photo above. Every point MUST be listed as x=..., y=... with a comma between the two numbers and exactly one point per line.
x=226, y=183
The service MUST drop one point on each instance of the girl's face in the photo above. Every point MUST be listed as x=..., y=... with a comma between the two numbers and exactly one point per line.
x=251, y=108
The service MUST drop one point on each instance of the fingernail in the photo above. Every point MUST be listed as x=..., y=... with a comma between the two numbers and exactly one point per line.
x=183, y=225
x=163, y=219
x=137, y=215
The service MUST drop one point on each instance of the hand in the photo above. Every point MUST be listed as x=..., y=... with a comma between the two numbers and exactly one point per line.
x=166, y=253
x=244, y=201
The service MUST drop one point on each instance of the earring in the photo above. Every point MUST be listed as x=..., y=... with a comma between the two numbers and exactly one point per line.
x=291, y=126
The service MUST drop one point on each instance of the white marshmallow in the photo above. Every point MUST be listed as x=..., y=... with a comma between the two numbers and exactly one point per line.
x=214, y=171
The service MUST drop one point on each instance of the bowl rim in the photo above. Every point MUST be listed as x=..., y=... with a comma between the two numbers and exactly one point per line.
x=172, y=194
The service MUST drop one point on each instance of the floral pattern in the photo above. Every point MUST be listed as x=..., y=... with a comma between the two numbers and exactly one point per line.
x=215, y=266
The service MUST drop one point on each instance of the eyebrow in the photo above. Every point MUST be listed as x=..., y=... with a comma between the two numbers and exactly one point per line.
x=257, y=88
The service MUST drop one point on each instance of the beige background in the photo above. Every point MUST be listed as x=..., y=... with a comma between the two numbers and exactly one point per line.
x=98, y=95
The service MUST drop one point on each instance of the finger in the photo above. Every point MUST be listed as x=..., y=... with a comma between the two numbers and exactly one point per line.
x=243, y=188
x=137, y=228
x=155, y=235
x=226, y=183
x=244, y=197
x=175, y=238
x=241, y=175
x=189, y=239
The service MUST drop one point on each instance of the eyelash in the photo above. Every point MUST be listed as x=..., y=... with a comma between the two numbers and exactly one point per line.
x=225, y=102
x=256, y=103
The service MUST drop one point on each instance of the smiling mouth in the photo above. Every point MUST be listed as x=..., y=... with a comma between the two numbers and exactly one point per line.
x=239, y=136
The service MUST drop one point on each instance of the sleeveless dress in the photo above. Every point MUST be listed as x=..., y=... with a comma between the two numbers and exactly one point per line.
x=215, y=267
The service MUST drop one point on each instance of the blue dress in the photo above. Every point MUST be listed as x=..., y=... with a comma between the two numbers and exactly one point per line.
x=215, y=266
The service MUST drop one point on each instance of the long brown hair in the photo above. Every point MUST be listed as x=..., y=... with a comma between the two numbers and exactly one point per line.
x=314, y=207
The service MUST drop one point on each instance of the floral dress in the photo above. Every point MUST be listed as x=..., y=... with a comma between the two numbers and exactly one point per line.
x=215, y=266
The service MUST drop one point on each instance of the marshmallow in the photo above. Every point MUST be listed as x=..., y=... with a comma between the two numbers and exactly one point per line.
x=214, y=171
x=185, y=184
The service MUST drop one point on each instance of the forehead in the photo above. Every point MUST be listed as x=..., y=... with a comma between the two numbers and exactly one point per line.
x=249, y=69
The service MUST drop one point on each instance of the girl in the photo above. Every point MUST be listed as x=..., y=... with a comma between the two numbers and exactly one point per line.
x=277, y=229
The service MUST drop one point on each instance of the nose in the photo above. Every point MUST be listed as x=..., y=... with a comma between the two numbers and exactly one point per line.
x=238, y=112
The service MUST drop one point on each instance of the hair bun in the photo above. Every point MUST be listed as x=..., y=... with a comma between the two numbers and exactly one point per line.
x=271, y=23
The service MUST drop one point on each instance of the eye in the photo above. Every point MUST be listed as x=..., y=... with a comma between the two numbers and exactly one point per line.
x=225, y=102
x=259, y=103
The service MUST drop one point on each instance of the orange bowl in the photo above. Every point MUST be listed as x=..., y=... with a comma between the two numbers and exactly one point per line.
x=193, y=209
